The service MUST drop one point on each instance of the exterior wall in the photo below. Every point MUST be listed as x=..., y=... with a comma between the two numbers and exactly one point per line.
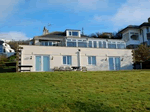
x=56, y=56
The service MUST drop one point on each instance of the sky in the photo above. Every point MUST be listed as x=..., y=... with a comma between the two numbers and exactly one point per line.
x=24, y=19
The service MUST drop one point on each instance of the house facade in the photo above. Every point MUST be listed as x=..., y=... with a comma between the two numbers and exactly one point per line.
x=135, y=35
x=72, y=49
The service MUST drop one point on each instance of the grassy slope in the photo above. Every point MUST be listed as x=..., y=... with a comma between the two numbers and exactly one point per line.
x=75, y=91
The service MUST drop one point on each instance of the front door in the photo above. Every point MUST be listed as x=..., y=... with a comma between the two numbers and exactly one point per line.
x=42, y=63
x=114, y=63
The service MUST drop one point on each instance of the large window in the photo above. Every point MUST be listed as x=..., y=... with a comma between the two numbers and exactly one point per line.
x=92, y=60
x=135, y=37
x=112, y=45
x=100, y=44
x=71, y=44
x=95, y=44
x=90, y=44
x=82, y=44
x=1, y=49
x=121, y=46
x=46, y=43
x=104, y=44
x=73, y=33
x=67, y=60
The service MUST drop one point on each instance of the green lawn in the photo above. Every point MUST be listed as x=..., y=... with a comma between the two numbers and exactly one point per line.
x=125, y=91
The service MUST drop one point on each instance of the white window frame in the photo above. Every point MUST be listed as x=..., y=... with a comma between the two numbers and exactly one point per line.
x=91, y=60
x=66, y=60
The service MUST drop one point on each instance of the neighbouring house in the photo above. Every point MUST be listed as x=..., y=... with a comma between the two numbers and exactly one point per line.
x=72, y=49
x=5, y=49
x=134, y=35
x=109, y=34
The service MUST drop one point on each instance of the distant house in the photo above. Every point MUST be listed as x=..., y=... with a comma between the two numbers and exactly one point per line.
x=72, y=49
x=5, y=49
x=135, y=35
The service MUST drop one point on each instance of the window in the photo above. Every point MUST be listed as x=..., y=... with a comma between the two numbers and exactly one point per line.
x=90, y=44
x=67, y=60
x=92, y=60
x=47, y=43
x=100, y=44
x=82, y=44
x=1, y=49
x=134, y=37
x=74, y=33
x=112, y=45
x=147, y=29
x=104, y=44
x=95, y=44
x=70, y=33
x=71, y=44
x=121, y=46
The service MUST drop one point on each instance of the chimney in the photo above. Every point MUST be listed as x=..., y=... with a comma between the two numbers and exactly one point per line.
x=149, y=19
x=45, y=31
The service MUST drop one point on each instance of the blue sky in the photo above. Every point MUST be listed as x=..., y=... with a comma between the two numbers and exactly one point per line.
x=24, y=19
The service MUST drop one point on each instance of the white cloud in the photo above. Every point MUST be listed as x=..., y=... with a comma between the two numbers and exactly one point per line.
x=13, y=36
x=132, y=12
x=7, y=7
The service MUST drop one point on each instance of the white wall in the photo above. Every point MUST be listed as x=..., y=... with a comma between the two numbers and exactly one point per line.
x=57, y=53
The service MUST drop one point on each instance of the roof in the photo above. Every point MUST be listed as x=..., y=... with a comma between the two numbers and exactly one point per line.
x=130, y=26
x=145, y=24
x=72, y=29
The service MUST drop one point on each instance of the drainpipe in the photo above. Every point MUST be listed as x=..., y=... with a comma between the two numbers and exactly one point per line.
x=79, y=58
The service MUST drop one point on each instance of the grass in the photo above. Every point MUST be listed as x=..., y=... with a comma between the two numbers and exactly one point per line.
x=125, y=91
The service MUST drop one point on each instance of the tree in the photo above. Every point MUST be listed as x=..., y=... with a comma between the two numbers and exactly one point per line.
x=141, y=54
x=99, y=35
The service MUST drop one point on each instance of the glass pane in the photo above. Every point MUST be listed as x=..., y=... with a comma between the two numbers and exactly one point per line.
x=100, y=44
x=82, y=44
x=121, y=46
x=90, y=44
x=71, y=44
x=69, y=60
x=50, y=43
x=70, y=33
x=89, y=60
x=43, y=43
x=1, y=49
x=104, y=44
x=111, y=64
x=64, y=59
x=46, y=63
x=94, y=60
x=112, y=46
x=117, y=63
x=95, y=44
x=38, y=63
x=74, y=33
x=46, y=43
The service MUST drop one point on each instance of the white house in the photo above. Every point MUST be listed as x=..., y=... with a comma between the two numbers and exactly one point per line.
x=135, y=35
x=5, y=49
x=72, y=49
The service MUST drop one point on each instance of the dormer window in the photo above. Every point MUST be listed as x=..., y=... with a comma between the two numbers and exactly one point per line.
x=73, y=33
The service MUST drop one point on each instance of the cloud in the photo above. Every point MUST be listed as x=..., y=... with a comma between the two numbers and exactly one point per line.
x=7, y=7
x=132, y=12
x=13, y=36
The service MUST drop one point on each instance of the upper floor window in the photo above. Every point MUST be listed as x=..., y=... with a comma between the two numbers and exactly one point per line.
x=147, y=29
x=82, y=44
x=92, y=60
x=90, y=44
x=67, y=60
x=46, y=43
x=121, y=45
x=95, y=44
x=135, y=37
x=1, y=49
x=112, y=45
x=73, y=33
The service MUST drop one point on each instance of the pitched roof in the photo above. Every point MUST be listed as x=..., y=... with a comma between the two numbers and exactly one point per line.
x=130, y=26
x=145, y=24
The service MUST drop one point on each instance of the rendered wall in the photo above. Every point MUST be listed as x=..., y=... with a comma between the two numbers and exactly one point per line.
x=56, y=54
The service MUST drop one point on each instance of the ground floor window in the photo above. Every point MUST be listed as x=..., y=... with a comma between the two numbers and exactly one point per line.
x=92, y=60
x=67, y=60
